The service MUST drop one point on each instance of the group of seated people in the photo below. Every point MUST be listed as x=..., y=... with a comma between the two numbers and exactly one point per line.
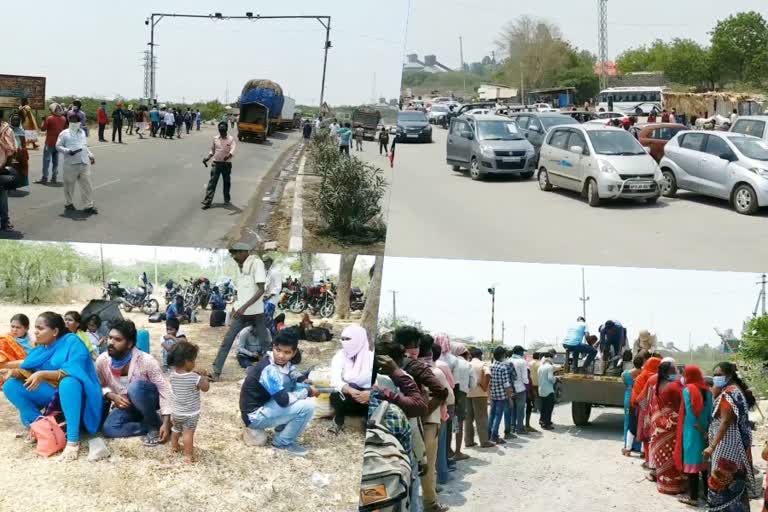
x=106, y=386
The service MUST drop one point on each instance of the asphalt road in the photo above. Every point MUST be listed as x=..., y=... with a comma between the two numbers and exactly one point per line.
x=435, y=212
x=149, y=192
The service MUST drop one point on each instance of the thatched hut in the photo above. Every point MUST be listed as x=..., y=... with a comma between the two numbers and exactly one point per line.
x=708, y=104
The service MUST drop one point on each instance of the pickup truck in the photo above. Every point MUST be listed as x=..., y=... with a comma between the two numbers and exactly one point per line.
x=369, y=119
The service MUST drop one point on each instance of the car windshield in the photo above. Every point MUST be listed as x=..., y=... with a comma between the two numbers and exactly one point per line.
x=614, y=142
x=439, y=108
x=550, y=121
x=411, y=117
x=750, y=147
x=497, y=130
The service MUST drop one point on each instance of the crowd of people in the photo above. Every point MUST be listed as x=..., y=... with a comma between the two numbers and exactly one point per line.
x=98, y=378
x=344, y=134
x=696, y=437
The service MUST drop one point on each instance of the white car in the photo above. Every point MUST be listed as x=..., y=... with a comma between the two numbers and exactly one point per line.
x=480, y=112
x=604, y=118
x=541, y=107
x=599, y=162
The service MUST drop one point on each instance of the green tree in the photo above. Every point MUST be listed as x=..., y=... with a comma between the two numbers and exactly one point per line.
x=754, y=345
x=740, y=47
x=644, y=58
x=690, y=63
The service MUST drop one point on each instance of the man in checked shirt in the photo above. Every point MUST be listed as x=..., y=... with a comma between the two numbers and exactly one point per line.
x=222, y=151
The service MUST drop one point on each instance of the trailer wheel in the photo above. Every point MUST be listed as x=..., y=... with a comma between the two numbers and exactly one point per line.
x=580, y=412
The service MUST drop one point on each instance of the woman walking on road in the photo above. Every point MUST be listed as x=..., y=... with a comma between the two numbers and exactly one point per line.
x=732, y=479
x=630, y=412
x=669, y=394
x=695, y=412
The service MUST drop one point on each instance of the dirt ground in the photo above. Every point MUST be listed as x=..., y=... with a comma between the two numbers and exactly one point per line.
x=578, y=469
x=228, y=475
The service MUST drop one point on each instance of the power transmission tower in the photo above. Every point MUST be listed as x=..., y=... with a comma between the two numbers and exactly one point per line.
x=761, y=296
x=147, y=64
x=602, y=40
x=583, y=297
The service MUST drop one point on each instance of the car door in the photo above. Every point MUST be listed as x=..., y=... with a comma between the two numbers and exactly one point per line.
x=687, y=156
x=535, y=132
x=552, y=155
x=575, y=165
x=522, y=125
x=453, y=142
x=462, y=144
x=714, y=166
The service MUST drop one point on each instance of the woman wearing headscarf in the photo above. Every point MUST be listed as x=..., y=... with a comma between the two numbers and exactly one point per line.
x=695, y=412
x=630, y=412
x=22, y=154
x=731, y=479
x=351, y=372
x=465, y=381
x=640, y=400
x=59, y=366
x=669, y=397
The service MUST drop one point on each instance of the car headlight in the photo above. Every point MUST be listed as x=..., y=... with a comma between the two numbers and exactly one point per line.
x=763, y=173
x=487, y=151
x=607, y=167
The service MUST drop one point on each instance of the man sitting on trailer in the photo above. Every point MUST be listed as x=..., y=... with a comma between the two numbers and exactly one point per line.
x=613, y=336
x=576, y=343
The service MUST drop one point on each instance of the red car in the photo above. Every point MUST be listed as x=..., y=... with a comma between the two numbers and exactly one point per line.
x=655, y=136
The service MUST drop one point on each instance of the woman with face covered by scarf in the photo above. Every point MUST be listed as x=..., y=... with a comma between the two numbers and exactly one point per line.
x=351, y=372
x=695, y=412
x=640, y=400
x=669, y=393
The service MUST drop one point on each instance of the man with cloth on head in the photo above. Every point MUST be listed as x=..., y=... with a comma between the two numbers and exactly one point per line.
x=222, y=151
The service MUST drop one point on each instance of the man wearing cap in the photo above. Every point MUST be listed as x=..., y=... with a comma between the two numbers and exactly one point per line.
x=248, y=310
x=118, y=116
x=222, y=151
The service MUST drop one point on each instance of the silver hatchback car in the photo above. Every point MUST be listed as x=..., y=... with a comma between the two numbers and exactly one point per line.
x=600, y=162
x=489, y=145
x=726, y=165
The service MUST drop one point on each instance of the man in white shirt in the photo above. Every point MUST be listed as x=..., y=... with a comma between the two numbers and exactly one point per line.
x=248, y=310
x=272, y=289
x=170, y=124
x=734, y=116
x=76, y=165
x=517, y=412
x=547, y=382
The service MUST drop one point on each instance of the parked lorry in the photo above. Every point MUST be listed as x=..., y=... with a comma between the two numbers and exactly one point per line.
x=369, y=119
x=253, y=123
x=586, y=391
x=269, y=94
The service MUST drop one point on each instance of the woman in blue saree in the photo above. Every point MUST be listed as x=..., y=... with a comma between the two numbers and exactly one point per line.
x=630, y=414
x=60, y=364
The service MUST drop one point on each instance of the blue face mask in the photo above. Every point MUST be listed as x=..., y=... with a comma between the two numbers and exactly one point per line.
x=671, y=378
x=719, y=381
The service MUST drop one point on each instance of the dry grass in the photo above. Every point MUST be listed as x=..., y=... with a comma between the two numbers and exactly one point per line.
x=228, y=475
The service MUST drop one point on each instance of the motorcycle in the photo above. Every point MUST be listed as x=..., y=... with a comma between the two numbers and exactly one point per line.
x=130, y=298
x=197, y=292
x=321, y=300
x=356, y=299
x=227, y=289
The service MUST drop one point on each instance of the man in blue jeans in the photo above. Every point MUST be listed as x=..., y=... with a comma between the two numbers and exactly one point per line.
x=271, y=397
x=576, y=342
x=516, y=419
x=134, y=388
x=502, y=390
x=613, y=336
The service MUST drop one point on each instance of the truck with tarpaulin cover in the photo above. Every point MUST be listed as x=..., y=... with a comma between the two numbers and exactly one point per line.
x=368, y=119
x=259, y=93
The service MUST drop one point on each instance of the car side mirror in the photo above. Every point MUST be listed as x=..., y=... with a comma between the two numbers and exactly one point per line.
x=577, y=149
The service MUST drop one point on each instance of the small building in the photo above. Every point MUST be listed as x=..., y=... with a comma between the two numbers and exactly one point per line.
x=490, y=92
x=558, y=97
x=707, y=104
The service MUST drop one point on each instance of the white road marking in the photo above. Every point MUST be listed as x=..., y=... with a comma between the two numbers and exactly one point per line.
x=296, y=242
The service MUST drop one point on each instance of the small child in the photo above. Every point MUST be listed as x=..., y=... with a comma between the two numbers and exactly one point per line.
x=173, y=335
x=99, y=342
x=73, y=322
x=186, y=384
x=20, y=331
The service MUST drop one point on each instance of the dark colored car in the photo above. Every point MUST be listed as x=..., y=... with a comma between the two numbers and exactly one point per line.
x=413, y=125
x=535, y=125
x=470, y=106
x=655, y=136
x=581, y=116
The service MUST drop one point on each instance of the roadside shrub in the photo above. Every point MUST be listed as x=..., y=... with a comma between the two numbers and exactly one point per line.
x=349, y=200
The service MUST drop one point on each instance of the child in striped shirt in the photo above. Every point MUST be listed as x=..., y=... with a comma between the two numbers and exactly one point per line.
x=186, y=384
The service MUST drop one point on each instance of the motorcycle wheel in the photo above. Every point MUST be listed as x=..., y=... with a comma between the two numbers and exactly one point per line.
x=297, y=307
x=328, y=309
x=126, y=307
x=151, y=307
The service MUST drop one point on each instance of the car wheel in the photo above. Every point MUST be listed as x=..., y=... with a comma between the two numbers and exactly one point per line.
x=474, y=170
x=745, y=199
x=593, y=196
x=668, y=184
x=456, y=168
x=544, y=183
x=429, y=140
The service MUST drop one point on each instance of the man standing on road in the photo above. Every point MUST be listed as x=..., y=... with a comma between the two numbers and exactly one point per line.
x=345, y=138
x=546, y=390
x=359, y=133
x=272, y=290
x=154, y=117
x=103, y=120
x=307, y=130
x=76, y=168
x=199, y=119
x=169, y=124
x=118, y=116
x=130, y=118
x=248, y=310
x=53, y=125
x=384, y=141
x=520, y=385
x=575, y=342
x=222, y=151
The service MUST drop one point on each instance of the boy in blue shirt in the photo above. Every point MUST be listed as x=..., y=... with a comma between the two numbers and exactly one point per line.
x=345, y=138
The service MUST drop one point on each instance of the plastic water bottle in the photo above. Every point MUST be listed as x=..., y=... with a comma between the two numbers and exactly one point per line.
x=142, y=340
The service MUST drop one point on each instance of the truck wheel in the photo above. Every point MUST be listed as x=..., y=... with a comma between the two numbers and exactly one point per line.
x=580, y=412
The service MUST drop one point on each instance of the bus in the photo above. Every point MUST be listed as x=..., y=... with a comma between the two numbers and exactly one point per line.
x=632, y=100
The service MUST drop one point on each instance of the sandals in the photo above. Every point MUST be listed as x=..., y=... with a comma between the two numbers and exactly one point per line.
x=26, y=436
x=151, y=440
x=70, y=453
x=687, y=500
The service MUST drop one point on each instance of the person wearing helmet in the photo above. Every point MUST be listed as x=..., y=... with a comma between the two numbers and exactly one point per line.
x=118, y=116
x=222, y=150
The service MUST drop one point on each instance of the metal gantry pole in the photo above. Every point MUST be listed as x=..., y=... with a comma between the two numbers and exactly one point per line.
x=325, y=58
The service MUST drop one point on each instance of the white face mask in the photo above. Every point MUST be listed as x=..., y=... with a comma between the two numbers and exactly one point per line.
x=74, y=127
